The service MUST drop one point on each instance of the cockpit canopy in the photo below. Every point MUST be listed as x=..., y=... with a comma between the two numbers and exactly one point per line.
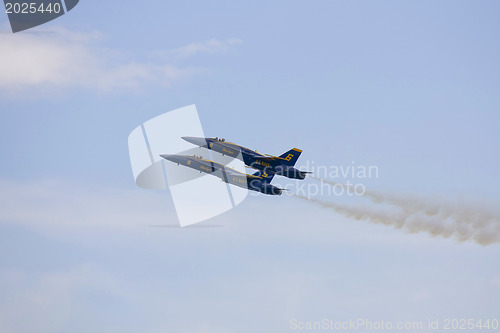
x=220, y=139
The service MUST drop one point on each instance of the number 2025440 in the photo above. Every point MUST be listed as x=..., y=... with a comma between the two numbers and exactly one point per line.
x=32, y=8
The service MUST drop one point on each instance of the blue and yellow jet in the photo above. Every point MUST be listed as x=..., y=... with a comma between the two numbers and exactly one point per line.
x=260, y=181
x=280, y=165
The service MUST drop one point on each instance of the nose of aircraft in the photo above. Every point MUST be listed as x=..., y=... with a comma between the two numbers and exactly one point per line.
x=172, y=158
x=201, y=142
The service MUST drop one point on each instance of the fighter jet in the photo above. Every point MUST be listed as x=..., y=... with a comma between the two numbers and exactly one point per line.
x=280, y=165
x=260, y=181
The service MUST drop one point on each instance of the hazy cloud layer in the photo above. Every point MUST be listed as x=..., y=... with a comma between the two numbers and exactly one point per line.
x=57, y=205
x=270, y=260
x=67, y=210
x=62, y=58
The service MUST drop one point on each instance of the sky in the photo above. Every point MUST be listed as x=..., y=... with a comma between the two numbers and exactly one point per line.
x=411, y=87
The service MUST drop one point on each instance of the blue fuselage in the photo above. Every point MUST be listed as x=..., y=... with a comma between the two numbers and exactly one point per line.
x=251, y=158
x=227, y=175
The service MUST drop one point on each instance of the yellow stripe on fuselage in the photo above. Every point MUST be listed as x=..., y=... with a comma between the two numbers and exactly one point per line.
x=234, y=144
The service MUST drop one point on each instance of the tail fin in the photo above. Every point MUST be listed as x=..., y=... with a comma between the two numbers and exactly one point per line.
x=291, y=156
x=266, y=177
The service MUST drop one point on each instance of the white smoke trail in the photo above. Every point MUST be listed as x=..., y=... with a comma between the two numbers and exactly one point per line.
x=464, y=221
x=409, y=203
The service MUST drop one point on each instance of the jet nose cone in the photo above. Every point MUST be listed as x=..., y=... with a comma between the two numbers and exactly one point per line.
x=169, y=157
x=196, y=141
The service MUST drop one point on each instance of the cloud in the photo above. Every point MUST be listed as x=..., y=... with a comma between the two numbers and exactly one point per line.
x=57, y=298
x=89, y=297
x=70, y=211
x=62, y=58
x=274, y=259
x=52, y=205
x=94, y=215
x=210, y=46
